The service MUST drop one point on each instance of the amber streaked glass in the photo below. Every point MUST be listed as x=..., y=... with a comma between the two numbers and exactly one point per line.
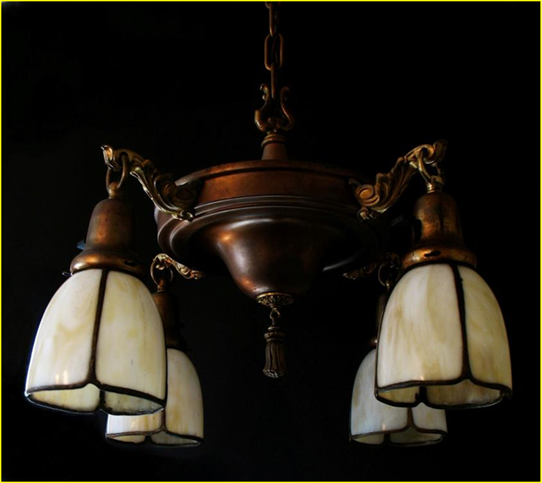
x=100, y=344
x=442, y=341
x=373, y=422
x=181, y=422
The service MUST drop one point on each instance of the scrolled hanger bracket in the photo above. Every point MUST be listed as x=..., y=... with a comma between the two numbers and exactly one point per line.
x=379, y=197
x=175, y=200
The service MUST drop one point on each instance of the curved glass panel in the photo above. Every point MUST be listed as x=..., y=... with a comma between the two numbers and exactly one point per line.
x=372, y=422
x=130, y=351
x=181, y=422
x=368, y=415
x=62, y=351
x=489, y=353
x=421, y=338
x=184, y=409
x=122, y=427
x=85, y=399
x=443, y=341
x=100, y=343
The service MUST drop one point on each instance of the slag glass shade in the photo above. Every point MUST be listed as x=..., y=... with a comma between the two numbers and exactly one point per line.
x=180, y=423
x=373, y=422
x=100, y=344
x=442, y=341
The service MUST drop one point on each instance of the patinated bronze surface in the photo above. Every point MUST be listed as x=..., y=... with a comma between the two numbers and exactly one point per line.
x=437, y=232
x=110, y=240
x=274, y=225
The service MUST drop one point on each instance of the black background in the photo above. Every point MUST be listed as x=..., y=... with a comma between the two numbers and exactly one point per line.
x=178, y=83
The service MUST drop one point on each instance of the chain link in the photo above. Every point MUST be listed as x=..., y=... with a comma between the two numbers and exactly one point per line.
x=273, y=47
x=273, y=116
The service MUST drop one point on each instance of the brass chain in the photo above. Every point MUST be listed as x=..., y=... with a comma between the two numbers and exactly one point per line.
x=273, y=47
x=273, y=117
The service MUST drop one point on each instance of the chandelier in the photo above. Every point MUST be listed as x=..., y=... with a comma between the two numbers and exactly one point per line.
x=274, y=225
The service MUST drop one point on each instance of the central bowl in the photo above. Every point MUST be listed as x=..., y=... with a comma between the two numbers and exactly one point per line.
x=274, y=225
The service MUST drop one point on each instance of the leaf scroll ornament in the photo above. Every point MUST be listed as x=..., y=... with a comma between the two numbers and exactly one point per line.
x=170, y=198
x=377, y=198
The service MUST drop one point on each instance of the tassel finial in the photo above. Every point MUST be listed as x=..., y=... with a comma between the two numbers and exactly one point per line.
x=275, y=351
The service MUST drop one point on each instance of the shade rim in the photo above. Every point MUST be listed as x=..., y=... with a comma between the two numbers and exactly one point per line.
x=422, y=397
x=387, y=433
x=103, y=388
x=194, y=441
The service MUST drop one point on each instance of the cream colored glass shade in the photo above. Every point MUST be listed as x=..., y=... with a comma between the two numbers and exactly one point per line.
x=443, y=341
x=100, y=344
x=181, y=422
x=373, y=422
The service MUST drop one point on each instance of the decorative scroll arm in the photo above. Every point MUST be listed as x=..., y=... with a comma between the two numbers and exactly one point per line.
x=163, y=261
x=388, y=188
x=377, y=198
x=172, y=199
x=389, y=262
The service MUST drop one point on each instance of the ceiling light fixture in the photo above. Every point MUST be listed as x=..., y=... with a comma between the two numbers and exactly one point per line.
x=100, y=343
x=274, y=225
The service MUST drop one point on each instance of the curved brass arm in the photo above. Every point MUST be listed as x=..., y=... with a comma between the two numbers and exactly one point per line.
x=389, y=260
x=377, y=198
x=177, y=201
x=162, y=262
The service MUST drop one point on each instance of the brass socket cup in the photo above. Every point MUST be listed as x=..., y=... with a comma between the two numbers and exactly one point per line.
x=437, y=234
x=110, y=240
